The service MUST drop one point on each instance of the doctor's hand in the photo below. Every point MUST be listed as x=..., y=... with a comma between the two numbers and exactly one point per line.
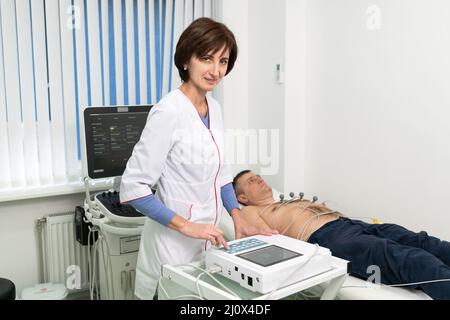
x=199, y=231
x=243, y=229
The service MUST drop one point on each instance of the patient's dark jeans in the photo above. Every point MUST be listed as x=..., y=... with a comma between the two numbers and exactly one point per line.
x=403, y=256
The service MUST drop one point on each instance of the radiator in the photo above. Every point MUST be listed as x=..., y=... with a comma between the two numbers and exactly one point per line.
x=61, y=256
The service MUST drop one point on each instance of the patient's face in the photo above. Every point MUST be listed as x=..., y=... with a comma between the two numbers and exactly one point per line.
x=254, y=187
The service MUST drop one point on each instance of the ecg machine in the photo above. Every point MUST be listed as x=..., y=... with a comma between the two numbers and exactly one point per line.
x=266, y=263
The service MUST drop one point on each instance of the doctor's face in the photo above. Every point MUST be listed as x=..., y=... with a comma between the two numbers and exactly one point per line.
x=205, y=72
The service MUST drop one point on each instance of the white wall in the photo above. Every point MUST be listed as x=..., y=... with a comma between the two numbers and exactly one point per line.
x=18, y=239
x=234, y=88
x=364, y=109
x=378, y=109
x=295, y=96
x=251, y=97
x=266, y=96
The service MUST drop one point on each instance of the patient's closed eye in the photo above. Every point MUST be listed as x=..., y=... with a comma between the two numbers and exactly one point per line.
x=253, y=179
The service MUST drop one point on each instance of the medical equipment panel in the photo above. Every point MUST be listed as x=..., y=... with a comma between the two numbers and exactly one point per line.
x=269, y=255
x=266, y=263
x=111, y=203
x=110, y=135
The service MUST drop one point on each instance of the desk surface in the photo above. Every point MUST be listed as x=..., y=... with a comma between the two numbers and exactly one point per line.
x=185, y=279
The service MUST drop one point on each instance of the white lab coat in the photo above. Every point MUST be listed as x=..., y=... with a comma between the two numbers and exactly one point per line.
x=184, y=160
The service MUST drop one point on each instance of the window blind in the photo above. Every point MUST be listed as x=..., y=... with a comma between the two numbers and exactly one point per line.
x=57, y=56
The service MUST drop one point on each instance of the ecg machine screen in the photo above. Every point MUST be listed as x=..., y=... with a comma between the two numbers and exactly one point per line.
x=111, y=133
x=268, y=256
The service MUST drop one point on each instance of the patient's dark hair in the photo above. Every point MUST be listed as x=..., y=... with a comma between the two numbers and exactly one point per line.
x=235, y=180
x=240, y=174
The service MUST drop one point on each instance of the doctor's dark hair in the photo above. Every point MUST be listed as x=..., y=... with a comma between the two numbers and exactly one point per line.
x=200, y=37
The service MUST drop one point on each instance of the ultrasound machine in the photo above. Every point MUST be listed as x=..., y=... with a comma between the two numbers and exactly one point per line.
x=111, y=228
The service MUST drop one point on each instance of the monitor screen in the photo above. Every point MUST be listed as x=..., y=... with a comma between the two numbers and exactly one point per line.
x=110, y=134
x=268, y=256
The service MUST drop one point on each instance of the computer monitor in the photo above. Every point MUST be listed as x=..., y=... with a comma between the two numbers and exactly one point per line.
x=110, y=134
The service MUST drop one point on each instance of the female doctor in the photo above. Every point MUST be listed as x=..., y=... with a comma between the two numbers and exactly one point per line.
x=180, y=154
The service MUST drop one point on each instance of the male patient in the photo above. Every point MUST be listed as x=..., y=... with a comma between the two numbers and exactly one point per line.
x=403, y=256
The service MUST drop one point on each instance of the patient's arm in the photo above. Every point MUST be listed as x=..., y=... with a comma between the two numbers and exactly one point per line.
x=251, y=215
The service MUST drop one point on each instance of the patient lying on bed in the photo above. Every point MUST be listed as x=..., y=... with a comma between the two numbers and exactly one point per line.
x=402, y=256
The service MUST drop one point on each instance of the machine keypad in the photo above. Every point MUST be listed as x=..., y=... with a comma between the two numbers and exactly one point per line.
x=245, y=245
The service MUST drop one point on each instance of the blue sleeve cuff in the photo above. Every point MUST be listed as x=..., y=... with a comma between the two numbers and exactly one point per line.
x=229, y=197
x=153, y=208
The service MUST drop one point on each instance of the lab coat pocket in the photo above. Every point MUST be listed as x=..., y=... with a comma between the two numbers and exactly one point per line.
x=182, y=208
x=202, y=214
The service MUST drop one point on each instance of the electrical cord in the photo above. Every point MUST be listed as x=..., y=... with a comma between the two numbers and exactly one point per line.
x=105, y=255
x=109, y=264
x=261, y=212
x=197, y=285
x=281, y=203
x=373, y=220
x=294, y=199
x=105, y=266
x=92, y=264
x=295, y=219
x=94, y=272
x=162, y=288
x=209, y=273
x=401, y=284
x=307, y=296
x=309, y=221
x=416, y=283
x=160, y=285
x=316, y=296
x=91, y=294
